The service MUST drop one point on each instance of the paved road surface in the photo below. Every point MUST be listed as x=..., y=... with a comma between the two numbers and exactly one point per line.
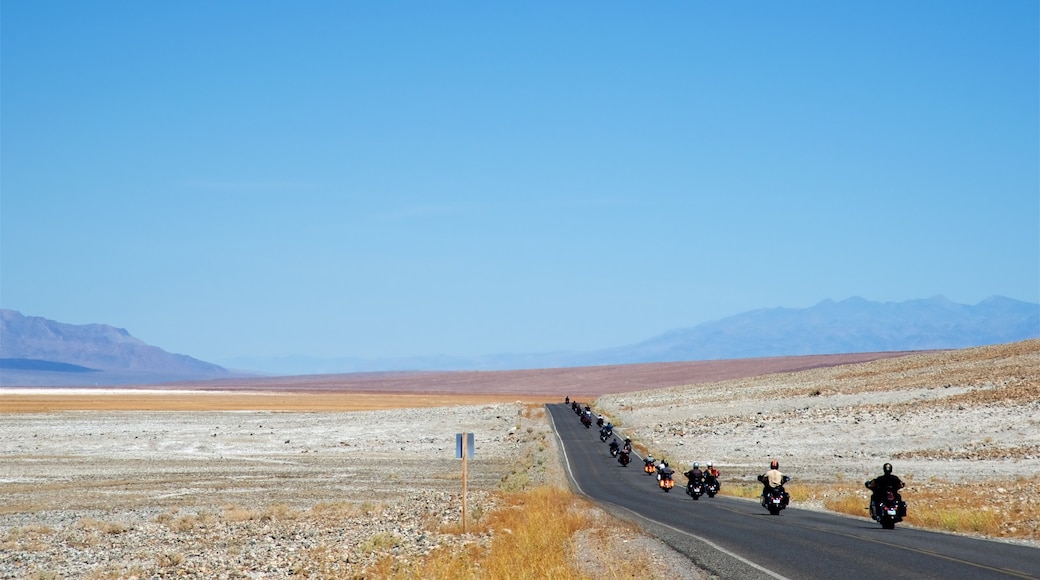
x=736, y=538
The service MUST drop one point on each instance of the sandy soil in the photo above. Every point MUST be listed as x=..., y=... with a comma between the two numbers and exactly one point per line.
x=123, y=480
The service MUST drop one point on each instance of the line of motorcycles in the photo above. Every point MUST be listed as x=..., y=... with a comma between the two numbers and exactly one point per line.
x=887, y=511
x=695, y=488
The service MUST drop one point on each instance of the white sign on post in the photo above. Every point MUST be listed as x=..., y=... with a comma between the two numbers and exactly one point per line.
x=464, y=454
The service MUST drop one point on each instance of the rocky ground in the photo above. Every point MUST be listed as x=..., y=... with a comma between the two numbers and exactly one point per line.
x=955, y=420
x=261, y=494
x=248, y=494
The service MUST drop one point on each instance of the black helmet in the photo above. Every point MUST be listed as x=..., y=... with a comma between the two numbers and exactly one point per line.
x=627, y=440
x=887, y=468
x=774, y=464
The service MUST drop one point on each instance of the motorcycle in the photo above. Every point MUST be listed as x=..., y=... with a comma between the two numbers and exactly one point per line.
x=711, y=486
x=695, y=488
x=599, y=421
x=586, y=421
x=605, y=434
x=623, y=458
x=648, y=467
x=775, y=500
x=889, y=511
x=614, y=449
x=664, y=481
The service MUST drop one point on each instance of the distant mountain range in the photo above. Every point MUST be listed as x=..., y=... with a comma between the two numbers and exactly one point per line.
x=35, y=351
x=850, y=326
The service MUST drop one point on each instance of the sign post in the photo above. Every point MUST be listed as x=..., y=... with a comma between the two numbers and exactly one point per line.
x=464, y=450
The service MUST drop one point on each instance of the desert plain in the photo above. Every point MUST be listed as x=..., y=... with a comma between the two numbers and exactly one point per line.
x=341, y=476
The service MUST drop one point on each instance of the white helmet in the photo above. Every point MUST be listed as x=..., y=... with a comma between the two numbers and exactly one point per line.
x=696, y=465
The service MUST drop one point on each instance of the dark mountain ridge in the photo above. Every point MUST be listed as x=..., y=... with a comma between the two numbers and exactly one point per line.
x=35, y=350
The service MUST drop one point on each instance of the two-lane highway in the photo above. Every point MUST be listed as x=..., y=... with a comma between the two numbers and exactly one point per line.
x=737, y=538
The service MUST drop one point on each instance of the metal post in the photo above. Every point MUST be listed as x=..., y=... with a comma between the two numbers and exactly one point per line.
x=464, y=454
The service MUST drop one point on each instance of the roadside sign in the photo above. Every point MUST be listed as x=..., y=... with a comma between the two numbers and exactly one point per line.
x=470, y=448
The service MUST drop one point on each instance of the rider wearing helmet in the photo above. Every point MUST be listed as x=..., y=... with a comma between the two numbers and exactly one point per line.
x=627, y=448
x=882, y=484
x=664, y=471
x=772, y=478
x=711, y=472
x=711, y=475
x=695, y=473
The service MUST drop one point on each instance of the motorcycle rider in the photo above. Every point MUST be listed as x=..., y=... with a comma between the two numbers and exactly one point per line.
x=614, y=447
x=772, y=478
x=695, y=473
x=628, y=445
x=711, y=475
x=663, y=471
x=649, y=460
x=881, y=485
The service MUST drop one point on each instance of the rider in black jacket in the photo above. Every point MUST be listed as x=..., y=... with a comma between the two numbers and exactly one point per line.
x=883, y=484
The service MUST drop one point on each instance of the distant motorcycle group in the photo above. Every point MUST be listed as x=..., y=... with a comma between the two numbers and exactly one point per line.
x=623, y=453
x=886, y=505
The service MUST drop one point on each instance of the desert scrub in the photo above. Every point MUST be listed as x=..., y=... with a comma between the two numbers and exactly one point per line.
x=280, y=512
x=529, y=533
x=31, y=538
x=380, y=542
x=185, y=523
x=111, y=528
x=234, y=513
x=1007, y=508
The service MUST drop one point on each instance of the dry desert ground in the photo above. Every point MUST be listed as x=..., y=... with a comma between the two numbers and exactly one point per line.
x=329, y=481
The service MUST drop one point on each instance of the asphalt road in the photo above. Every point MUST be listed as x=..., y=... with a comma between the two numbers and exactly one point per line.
x=738, y=538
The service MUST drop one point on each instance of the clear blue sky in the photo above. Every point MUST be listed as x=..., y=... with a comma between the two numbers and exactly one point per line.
x=260, y=178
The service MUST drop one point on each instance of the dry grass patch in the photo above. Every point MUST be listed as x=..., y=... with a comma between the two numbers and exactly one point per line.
x=31, y=538
x=1001, y=509
x=111, y=528
x=234, y=513
x=157, y=400
x=280, y=512
x=528, y=533
x=187, y=522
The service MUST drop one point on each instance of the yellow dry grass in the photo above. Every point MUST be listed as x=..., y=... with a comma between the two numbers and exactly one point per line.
x=999, y=508
x=245, y=401
x=531, y=536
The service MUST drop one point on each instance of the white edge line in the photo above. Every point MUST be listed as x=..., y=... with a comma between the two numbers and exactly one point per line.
x=570, y=474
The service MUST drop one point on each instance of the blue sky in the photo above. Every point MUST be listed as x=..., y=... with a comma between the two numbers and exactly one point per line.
x=265, y=178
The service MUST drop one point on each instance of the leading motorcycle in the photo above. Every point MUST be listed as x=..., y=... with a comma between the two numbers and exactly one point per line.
x=695, y=488
x=889, y=511
x=776, y=498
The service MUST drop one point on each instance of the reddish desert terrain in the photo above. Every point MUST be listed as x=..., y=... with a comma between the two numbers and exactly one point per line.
x=369, y=391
